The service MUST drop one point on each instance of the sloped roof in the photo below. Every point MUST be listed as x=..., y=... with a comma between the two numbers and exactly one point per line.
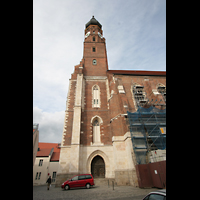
x=45, y=149
x=43, y=152
x=93, y=21
x=138, y=72
x=55, y=156
x=46, y=145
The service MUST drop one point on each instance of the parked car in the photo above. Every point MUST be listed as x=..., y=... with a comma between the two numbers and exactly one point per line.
x=82, y=180
x=156, y=195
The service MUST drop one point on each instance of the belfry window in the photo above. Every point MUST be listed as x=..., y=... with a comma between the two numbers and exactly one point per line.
x=93, y=38
x=93, y=49
x=96, y=97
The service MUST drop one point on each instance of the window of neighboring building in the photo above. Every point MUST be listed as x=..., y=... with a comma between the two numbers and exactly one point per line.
x=36, y=176
x=39, y=175
x=96, y=97
x=54, y=177
x=41, y=162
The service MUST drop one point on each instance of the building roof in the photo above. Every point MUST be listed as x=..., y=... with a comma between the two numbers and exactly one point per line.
x=55, y=156
x=45, y=145
x=93, y=21
x=138, y=72
x=45, y=150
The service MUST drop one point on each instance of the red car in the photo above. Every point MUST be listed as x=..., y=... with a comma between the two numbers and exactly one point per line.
x=82, y=180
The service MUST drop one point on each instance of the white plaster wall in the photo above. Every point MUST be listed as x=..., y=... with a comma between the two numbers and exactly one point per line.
x=43, y=169
x=53, y=167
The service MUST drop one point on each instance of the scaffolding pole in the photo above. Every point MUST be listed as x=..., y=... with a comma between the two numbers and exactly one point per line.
x=145, y=131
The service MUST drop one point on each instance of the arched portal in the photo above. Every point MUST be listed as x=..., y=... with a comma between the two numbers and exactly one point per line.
x=98, y=167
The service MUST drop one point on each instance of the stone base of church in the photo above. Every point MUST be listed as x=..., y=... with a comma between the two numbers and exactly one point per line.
x=61, y=178
x=104, y=181
x=116, y=162
x=126, y=177
x=122, y=177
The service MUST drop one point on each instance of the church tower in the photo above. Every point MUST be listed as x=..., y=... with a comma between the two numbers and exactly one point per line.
x=95, y=135
x=94, y=55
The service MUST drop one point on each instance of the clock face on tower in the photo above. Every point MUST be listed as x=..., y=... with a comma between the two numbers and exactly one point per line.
x=99, y=34
x=94, y=62
x=87, y=34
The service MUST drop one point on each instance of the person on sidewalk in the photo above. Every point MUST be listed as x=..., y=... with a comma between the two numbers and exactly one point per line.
x=49, y=182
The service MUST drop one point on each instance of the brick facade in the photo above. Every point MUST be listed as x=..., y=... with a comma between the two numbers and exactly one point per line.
x=116, y=98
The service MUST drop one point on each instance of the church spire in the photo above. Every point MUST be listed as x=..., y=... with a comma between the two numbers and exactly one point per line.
x=93, y=21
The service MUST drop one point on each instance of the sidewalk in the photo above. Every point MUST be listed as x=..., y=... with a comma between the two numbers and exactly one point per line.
x=96, y=192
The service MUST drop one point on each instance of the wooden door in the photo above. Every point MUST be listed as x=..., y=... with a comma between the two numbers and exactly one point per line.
x=98, y=167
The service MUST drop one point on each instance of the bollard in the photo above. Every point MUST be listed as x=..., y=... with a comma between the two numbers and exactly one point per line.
x=113, y=184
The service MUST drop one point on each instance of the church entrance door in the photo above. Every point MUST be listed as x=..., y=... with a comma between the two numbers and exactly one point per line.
x=98, y=167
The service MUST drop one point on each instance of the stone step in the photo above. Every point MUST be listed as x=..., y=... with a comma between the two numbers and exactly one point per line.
x=103, y=181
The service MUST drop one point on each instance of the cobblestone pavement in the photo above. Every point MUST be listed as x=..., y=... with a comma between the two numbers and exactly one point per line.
x=96, y=192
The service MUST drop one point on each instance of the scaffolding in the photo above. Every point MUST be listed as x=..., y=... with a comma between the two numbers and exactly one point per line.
x=148, y=133
x=139, y=95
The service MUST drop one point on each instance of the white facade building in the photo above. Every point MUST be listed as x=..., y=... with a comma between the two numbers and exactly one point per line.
x=46, y=163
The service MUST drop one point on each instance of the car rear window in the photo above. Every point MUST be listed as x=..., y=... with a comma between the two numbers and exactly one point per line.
x=88, y=176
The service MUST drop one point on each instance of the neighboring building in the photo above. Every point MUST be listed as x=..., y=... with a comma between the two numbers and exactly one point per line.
x=35, y=140
x=96, y=134
x=46, y=163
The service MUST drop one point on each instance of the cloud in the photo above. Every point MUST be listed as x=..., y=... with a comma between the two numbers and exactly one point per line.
x=135, y=33
x=50, y=125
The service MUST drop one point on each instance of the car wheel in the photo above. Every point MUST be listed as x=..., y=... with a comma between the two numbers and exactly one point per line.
x=66, y=187
x=88, y=186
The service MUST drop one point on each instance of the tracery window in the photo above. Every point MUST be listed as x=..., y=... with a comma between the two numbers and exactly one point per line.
x=96, y=131
x=96, y=97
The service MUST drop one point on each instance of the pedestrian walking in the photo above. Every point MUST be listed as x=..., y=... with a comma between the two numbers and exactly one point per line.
x=48, y=182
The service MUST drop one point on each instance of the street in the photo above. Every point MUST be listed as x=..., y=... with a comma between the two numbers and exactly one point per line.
x=96, y=192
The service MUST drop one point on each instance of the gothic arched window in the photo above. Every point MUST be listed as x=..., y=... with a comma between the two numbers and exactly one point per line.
x=96, y=97
x=96, y=131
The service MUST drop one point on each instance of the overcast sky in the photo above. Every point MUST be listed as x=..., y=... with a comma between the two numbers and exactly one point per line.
x=135, y=33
